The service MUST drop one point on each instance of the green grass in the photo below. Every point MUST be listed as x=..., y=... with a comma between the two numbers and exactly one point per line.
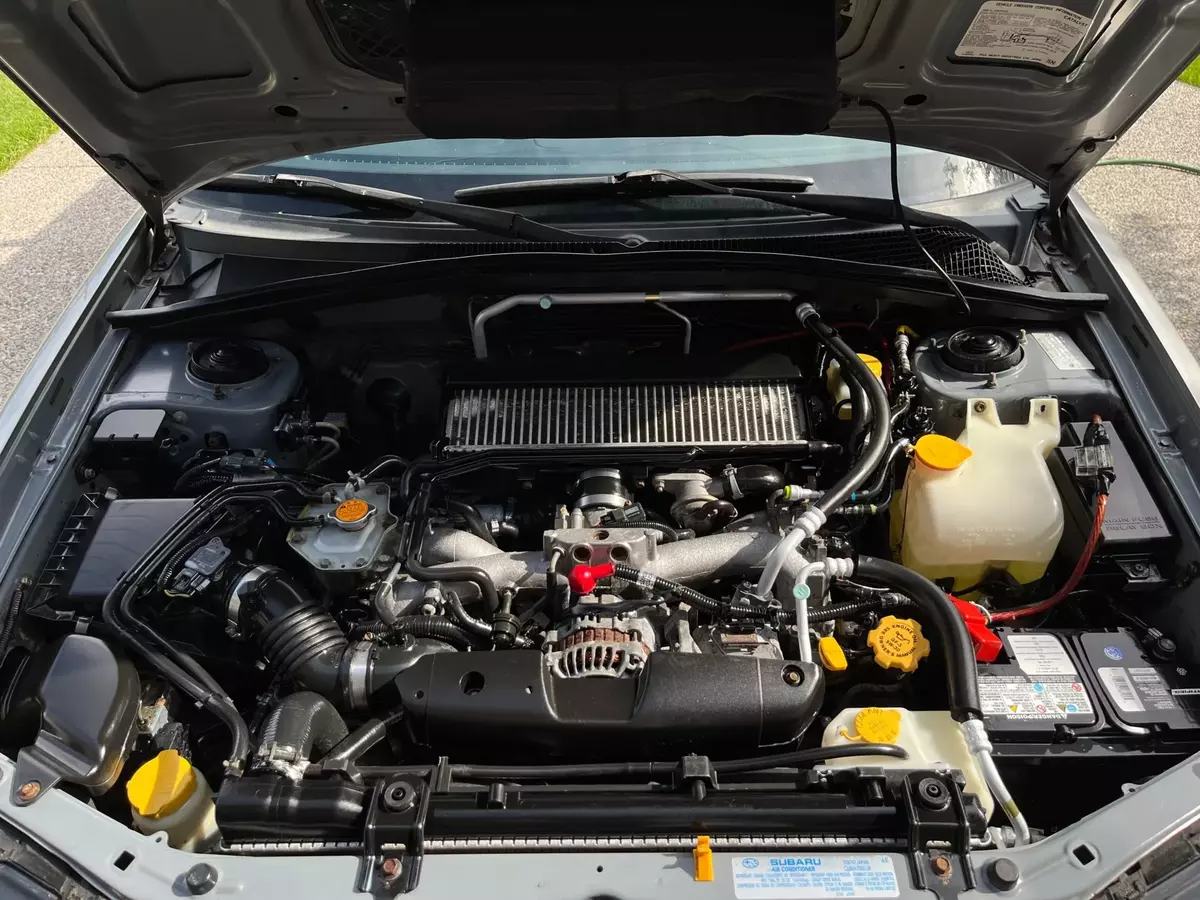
x=1191, y=74
x=22, y=125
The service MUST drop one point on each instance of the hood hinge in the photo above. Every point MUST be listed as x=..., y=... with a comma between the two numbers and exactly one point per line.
x=148, y=194
x=1068, y=174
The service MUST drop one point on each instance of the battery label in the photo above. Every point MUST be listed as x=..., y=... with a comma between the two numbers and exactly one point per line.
x=1120, y=688
x=1040, y=654
x=1013, y=697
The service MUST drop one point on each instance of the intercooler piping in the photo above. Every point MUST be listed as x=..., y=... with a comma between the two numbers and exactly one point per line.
x=479, y=324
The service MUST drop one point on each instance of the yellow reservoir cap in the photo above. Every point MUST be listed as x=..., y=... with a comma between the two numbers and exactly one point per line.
x=940, y=452
x=162, y=785
x=898, y=643
x=832, y=656
x=352, y=510
x=877, y=725
x=873, y=364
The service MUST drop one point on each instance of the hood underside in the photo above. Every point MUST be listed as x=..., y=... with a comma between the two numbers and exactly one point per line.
x=167, y=96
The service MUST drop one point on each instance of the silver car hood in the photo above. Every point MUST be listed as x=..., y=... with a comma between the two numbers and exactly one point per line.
x=166, y=96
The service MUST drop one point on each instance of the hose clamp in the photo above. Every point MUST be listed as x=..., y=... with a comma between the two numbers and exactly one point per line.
x=358, y=670
x=243, y=588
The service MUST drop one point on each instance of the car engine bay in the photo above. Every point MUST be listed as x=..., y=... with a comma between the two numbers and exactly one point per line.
x=666, y=544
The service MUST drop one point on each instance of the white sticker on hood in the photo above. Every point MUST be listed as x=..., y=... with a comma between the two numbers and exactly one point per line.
x=1023, y=32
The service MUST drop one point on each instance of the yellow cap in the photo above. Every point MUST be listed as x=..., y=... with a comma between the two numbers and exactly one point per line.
x=833, y=657
x=898, y=643
x=162, y=785
x=352, y=510
x=940, y=452
x=702, y=854
x=873, y=364
x=877, y=725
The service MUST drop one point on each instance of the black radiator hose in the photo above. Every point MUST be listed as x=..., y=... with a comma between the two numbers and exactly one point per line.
x=956, y=640
x=301, y=724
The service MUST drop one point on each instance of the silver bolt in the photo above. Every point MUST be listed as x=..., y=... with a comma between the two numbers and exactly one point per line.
x=980, y=406
x=325, y=563
x=385, y=558
x=297, y=538
x=179, y=416
x=360, y=561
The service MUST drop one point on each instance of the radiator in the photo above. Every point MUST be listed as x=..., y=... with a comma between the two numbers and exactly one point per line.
x=735, y=414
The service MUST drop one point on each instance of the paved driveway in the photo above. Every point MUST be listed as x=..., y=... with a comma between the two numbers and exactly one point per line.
x=58, y=212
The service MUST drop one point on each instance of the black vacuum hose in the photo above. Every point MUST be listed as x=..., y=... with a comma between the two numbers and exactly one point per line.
x=956, y=641
x=881, y=426
x=648, y=580
x=474, y=520
x=437, y=627
x=853, y=608
x=461, y=572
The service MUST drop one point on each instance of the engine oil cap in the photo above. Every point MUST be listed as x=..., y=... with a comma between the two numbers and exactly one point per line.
x=898, y=643
x=940, y=452
x=352, y=514
x=161, y=785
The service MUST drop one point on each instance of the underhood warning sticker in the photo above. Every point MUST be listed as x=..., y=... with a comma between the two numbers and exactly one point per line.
x=1018, y=698
x=814, y=877
x=1040, y=33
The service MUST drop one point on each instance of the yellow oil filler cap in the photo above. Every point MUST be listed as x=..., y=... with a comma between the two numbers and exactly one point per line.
x=940, y=452
x=898, y=643
x=162, y=785
x=876, y=725
x=832, y=656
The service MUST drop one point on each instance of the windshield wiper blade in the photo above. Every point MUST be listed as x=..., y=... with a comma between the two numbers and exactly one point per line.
x=780, y=190
x=635, y=184
x=482, y=218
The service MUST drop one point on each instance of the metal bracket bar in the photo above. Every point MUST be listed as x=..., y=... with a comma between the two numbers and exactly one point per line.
x=393, y=845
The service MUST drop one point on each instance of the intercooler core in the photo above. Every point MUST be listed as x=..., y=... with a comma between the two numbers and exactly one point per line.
x=758, y=413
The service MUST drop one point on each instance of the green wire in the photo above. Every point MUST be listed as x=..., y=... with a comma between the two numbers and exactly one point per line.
x=1156, y=163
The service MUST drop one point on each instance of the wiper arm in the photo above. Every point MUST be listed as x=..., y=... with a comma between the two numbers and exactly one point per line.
x=481, y=218
x=788, y=191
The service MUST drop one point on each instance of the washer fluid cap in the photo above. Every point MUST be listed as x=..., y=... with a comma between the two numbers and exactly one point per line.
x=877, y=725
x=983, y=350
x=940, y=452
x=873, y=364
x=898, y=643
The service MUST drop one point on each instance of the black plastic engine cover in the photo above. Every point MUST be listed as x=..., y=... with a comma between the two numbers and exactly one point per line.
x=489, y=703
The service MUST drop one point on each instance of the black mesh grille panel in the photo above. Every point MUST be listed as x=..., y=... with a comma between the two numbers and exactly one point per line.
x=959, y=253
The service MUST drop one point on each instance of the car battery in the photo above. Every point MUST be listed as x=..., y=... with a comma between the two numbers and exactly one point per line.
x=1063, y=685
x=1036, y=688
x=1137, y=691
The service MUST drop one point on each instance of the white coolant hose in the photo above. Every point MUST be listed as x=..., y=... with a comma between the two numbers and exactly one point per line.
x=832, y=568
x=804, y=528
x=975, y=733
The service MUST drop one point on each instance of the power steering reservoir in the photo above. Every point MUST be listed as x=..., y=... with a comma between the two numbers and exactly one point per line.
x=984, y=502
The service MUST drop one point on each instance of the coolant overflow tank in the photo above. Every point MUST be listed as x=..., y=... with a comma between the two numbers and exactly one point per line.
x=985, y=501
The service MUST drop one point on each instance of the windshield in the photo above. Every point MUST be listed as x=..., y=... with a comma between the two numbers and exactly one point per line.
x=437, y=168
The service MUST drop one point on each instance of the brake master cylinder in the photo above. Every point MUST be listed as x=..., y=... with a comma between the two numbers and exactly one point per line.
x=984, y=502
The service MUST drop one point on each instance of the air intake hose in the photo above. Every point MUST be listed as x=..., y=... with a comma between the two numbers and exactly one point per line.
x=304, y=644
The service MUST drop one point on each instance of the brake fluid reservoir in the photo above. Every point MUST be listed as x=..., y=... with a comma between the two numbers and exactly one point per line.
x=986, y=501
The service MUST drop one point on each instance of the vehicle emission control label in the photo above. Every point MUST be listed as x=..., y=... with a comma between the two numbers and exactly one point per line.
x=1039, y=33
x=814, y=877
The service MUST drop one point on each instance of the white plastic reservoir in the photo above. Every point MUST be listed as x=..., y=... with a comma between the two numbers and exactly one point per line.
x=932, y=738
x=985, y=501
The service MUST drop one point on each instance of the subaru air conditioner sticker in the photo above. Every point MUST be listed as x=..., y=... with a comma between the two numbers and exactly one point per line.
x=814, y=877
